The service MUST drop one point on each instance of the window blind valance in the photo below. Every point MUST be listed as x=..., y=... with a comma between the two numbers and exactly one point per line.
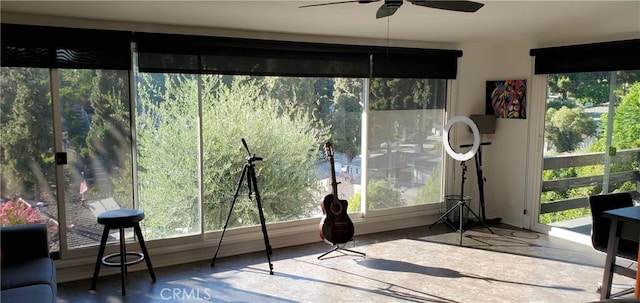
x=48, y=47
x=604, y=56
x=58, y=47
x=415, y=63
x=204, y=54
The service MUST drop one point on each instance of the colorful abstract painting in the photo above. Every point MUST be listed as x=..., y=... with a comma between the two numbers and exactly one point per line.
x=507, y=99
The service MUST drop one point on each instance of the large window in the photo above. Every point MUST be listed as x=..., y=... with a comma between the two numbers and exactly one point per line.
x=27, y=169
x=284, y=120
x=404, y=142
x=592, y=140
x=90, y=124
x=591, y=126
x=96, y=137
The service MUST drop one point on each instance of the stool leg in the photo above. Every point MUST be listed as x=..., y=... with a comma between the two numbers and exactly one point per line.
x=123, y=261
x=144, y=251
x=96, y=270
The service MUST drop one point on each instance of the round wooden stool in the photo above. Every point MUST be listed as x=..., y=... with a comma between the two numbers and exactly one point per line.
x=121, y=219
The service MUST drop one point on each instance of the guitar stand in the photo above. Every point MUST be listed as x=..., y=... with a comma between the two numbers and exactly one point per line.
x=336, y=247
x=460, y=205
x=252, y=184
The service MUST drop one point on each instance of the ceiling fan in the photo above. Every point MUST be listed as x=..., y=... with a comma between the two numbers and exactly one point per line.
x=389, y=7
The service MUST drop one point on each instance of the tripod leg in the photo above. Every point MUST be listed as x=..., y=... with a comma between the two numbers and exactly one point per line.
x=481, y=181
x=267, y=245
x=443, y=218
x=479, y=220
x=224, y=229
x=480, y=178
x=460, y=220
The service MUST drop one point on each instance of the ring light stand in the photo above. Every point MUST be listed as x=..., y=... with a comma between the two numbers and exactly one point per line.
x=460, y=205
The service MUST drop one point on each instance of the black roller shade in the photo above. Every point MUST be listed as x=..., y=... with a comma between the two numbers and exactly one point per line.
x=415, y=63
x=604, y=56
x=59, y=47
x=205, y=54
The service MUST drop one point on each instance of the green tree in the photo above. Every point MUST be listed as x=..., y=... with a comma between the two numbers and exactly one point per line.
x=167, y=146
x=402, y=95
x=95, y=112
x=109, y=135
x=566, y=128
x=286, y=138
x=561, y=84
x=625, y=135
x=559, y=103
x=589, y=87
x=26, y=139
x=381, y=195
x=345, y=121
x=431, y=190
x=626, y=122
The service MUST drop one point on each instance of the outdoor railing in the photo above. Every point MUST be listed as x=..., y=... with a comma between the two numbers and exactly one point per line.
x=568, y=161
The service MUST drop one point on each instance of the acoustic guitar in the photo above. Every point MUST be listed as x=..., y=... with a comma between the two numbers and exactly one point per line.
x=336, y=226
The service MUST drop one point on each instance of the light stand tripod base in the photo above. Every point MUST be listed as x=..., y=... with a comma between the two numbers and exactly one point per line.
x=336, y=247
x=460, y=205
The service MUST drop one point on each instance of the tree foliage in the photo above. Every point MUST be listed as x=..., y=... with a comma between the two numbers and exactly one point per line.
x=27, y=142
x=167, y=159
x=401, y=96
x=380, y=195
x=345, y=120
x=626, y=122
x=591, y=88
x=95, y=109
x=588, y=87
x=284, y=137
x=566, y=128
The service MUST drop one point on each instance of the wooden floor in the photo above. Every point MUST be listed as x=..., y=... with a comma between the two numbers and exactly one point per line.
x=411, y=265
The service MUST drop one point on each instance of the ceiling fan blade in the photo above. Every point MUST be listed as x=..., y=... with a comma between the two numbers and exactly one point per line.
x=339, y=2
x=388, y=8
x=458, y=6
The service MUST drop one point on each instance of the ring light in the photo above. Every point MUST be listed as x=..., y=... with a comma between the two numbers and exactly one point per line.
x=476, y=138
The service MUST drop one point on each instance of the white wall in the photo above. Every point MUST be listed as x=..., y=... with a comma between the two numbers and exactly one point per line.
x=504, y=161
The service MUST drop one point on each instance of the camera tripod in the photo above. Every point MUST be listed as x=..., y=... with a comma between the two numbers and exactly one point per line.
x=460, y=205
x=252, y=184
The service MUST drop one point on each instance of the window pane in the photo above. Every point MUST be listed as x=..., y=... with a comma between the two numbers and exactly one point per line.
x=286, y=121
x=592, y=140
x=167, y=169
x=27, y=178
x=404, y=138
x=94, y=106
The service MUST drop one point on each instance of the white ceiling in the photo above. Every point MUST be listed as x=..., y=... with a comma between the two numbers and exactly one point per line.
x=544, y=22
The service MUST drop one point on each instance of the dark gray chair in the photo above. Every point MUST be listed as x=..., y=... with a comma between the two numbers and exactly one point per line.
x=600, y=228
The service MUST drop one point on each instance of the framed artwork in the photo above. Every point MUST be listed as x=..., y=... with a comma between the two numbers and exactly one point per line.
x=507, y=99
